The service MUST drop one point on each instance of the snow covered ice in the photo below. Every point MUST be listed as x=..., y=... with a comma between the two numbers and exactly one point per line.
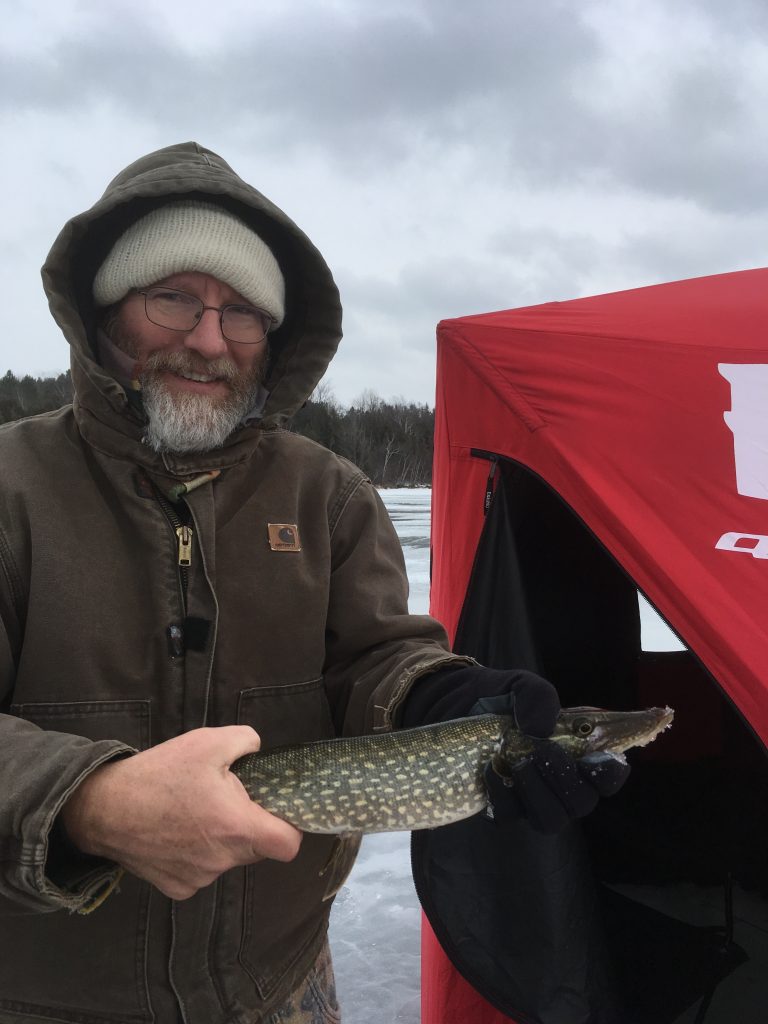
x=376, y=921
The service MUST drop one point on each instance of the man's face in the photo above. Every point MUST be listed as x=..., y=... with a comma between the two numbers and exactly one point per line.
x=196, y=385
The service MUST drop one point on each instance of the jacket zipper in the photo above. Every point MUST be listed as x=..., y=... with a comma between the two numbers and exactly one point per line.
x=184, y=534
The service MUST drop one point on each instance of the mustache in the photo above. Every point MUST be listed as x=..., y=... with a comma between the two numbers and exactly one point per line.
x=189, y=362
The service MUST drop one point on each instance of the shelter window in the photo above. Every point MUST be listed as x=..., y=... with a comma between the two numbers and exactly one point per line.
x=655, y=634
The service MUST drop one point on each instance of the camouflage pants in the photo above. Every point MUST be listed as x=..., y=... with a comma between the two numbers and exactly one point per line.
x=314, y=1001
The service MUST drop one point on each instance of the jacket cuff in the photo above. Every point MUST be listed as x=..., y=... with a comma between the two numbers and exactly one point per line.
x=422, y=676
x=78, y=881
x=67, y=866
x=452, y=692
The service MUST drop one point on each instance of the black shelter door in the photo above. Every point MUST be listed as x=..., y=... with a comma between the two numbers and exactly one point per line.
x=538, y=924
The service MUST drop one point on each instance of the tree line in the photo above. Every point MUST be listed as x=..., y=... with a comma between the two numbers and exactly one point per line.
x=390, y=441
x=28, y=396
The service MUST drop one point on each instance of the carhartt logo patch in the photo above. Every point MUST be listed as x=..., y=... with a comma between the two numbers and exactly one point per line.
x=284, y=536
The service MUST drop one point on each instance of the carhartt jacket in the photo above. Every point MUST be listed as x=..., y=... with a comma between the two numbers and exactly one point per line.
x=107, y=646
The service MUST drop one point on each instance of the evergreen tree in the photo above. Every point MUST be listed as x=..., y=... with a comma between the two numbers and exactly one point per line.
x=390, y=441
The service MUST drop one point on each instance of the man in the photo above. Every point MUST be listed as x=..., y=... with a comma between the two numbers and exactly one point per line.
x=181, y=581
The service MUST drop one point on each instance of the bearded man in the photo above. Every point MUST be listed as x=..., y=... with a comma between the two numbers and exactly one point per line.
x=157, y=625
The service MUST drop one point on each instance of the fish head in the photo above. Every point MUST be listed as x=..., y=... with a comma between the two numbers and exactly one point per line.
x=591, y=730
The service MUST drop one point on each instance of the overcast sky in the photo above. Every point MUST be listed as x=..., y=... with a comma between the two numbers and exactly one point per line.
x=447, y=157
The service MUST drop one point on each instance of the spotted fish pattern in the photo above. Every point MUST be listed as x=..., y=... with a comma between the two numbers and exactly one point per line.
x=419, y=778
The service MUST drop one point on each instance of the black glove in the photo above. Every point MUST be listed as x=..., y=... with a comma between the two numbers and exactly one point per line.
x=456, y=691
x=549, y=788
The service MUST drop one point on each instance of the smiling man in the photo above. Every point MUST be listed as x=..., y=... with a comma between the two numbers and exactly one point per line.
x=182, y=581
x=199, y=342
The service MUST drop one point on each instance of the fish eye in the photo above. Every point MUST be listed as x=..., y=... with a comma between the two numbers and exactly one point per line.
x=582, y=727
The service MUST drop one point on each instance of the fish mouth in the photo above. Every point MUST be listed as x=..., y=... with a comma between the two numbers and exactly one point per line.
x=637, y=729
x=665, y=718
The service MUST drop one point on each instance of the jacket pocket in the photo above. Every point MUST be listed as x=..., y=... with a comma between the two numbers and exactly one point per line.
x=288, y=713
x=283, y=917
x=124, y=720
x=67, y=966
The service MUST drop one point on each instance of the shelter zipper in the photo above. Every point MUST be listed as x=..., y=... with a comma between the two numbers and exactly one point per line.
x=489, y=484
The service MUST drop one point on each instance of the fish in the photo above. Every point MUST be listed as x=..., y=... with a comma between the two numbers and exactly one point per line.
x=421, y=778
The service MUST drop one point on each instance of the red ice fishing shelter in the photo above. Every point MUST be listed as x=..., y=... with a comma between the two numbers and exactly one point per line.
x=586, y=450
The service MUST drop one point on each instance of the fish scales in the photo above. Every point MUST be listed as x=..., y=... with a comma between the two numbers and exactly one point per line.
x=423, y=777
x=417, y=778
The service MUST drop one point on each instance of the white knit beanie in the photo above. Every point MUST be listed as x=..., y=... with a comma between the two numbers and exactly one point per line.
x=192, y=236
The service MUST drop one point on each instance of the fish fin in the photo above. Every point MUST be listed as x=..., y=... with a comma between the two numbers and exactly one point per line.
x=340, y=862
x=503, y=769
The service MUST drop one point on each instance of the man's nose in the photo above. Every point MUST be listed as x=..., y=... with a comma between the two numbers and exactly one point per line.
x=206, y=338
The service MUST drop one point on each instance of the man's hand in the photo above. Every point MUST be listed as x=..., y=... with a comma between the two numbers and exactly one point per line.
x=175, y=815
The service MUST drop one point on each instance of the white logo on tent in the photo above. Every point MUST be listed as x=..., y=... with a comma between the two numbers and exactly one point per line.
x=748, y=421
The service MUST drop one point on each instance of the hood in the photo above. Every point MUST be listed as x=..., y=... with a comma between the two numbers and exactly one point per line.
x=300, y=349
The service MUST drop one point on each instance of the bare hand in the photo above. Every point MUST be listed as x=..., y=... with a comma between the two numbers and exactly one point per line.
x=175, y=815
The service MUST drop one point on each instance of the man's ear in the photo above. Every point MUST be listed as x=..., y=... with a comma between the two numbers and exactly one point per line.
x=107, y=318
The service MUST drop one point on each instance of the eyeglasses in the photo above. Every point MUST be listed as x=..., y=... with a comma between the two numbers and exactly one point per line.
x=179, y=311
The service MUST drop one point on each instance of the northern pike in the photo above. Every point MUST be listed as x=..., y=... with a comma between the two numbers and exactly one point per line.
x=424, y=777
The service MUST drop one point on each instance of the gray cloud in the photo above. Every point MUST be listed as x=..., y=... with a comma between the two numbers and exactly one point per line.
x=448, y=158
x=381, y=81
x=370, y=86
x=324, y=69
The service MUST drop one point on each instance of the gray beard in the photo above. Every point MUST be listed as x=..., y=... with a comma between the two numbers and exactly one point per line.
x=191, y=422
x=188, y=423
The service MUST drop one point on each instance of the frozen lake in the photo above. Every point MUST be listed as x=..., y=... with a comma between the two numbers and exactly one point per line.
x=375, y=925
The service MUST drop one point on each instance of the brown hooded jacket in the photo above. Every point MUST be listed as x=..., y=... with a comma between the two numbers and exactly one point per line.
x=106, y=649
